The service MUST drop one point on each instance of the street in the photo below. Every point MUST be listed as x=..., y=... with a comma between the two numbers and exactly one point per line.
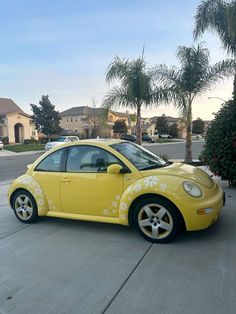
x=15, y=165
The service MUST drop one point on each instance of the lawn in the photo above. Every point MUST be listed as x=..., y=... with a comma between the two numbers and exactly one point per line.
x=19, y=148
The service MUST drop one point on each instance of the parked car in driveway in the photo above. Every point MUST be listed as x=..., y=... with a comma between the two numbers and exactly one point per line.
x=117, y=182
x=196, y=136
x=147, y=138
x=1, y=145
x=129, y=137
x=163, y=136
x=60, y=140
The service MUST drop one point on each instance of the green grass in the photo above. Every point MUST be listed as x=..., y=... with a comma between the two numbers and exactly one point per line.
x=19, y=148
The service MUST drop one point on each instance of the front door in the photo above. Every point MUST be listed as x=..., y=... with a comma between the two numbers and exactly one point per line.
x=86, y=187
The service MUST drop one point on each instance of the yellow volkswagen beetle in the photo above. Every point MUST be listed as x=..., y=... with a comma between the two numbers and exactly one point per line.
x=117, y=182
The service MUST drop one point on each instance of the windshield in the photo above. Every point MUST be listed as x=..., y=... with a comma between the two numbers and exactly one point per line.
x=139, y=156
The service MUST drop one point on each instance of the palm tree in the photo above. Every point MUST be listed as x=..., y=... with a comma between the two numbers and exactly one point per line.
x=193, y=78
x=218, y=16
x=137, y=88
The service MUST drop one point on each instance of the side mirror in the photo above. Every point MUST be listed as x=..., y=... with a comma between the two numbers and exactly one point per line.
x=114, y=169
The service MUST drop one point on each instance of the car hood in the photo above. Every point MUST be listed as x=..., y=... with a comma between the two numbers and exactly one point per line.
x=184, y=171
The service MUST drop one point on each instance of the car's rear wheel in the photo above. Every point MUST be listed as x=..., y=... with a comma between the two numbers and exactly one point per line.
x=156, y=219
x=25, y=207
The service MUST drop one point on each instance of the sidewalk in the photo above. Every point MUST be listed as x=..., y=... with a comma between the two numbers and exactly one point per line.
x=6, y=153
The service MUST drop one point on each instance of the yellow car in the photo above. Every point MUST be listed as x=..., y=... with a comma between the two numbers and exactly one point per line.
x=119, y=182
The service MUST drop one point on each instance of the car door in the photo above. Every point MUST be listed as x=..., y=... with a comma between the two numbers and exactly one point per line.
x=48, y=175
x=86, y=187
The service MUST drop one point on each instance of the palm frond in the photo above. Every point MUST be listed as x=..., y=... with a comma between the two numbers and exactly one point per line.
x=118, y=69
x=218, y=16
x=117, y=97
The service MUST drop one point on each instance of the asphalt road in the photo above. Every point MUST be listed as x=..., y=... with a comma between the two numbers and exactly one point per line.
x=15, y=165
x=177, y=150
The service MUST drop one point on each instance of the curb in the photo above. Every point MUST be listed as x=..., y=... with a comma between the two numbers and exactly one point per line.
x=7, y=153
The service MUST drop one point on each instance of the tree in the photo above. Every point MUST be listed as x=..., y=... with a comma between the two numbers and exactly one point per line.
x=219, y=16
x=45, y=117
x=173, y=130
x=220, y=147
x=120, y=127
x=162, y=125
x=137, y=88
x=198, y=126
x=193, y=78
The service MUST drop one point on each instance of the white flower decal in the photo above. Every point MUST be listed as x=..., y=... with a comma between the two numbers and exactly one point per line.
x=123, y=206
x=123, y=217
x=137, y=187
x=117, y=197
x=40, y=202
x=114, y=204
x=106, y=212
x=151, y=181
x=129, y=189
x=163, y=186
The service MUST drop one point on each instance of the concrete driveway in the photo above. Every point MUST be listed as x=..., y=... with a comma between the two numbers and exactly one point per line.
x=62, y=266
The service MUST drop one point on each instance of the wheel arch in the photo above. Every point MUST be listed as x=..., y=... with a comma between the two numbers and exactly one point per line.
x=143, y=196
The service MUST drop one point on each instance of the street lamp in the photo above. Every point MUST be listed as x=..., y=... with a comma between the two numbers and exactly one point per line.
x=218, y=98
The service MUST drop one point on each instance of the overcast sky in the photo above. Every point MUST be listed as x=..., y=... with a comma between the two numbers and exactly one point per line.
x=63, y=47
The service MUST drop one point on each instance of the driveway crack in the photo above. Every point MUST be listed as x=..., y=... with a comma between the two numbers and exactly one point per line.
x=126, y=280
x=9, y=234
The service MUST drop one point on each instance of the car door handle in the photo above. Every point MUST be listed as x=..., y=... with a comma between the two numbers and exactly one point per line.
x=66, y=180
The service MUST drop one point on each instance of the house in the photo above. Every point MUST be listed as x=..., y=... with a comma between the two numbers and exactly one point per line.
x=89, y=122
x=170, y=121
x=15, y=123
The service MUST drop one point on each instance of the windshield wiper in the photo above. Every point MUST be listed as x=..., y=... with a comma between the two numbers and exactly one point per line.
x=153, y=167
x=157, y=166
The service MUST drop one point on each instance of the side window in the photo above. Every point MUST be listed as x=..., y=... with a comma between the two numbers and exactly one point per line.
x=51, y=163
x=89, y=159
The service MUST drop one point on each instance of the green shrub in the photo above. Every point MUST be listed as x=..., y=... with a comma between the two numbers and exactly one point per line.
x=30, y=141
x=220, y=148
x=5, y=140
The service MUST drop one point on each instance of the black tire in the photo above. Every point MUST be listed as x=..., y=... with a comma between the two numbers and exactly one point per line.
x=159, y=222
x=25, y=207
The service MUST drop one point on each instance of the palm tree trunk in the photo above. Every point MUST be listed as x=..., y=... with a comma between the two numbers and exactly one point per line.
x=138, y=126
x=188, y=145
x=234, y=92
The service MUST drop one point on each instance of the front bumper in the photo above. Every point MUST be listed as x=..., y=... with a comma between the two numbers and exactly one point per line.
x=214, y=200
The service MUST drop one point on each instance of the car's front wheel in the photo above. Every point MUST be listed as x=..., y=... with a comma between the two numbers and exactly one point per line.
x=25, y=207
x=157, y=220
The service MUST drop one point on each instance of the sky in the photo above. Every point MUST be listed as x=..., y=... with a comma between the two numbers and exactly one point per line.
x=62, y=48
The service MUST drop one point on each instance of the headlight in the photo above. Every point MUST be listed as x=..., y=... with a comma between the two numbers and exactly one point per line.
x=192, y=189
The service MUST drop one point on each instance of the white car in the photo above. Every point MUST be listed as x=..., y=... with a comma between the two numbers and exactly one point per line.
x=1, y=145
x=196, y=136
x=165, y=136
x=60, y=140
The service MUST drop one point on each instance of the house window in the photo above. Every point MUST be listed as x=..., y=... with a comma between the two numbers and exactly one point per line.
x=76, y=131
x=76, y=119
x=67, y=119
x=71, y=119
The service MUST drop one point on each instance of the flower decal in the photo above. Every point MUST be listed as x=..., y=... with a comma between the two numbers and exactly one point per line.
x=35, y=189
x=151, y=181
x=137, y=187
x=163, y=186
x=123, y=206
